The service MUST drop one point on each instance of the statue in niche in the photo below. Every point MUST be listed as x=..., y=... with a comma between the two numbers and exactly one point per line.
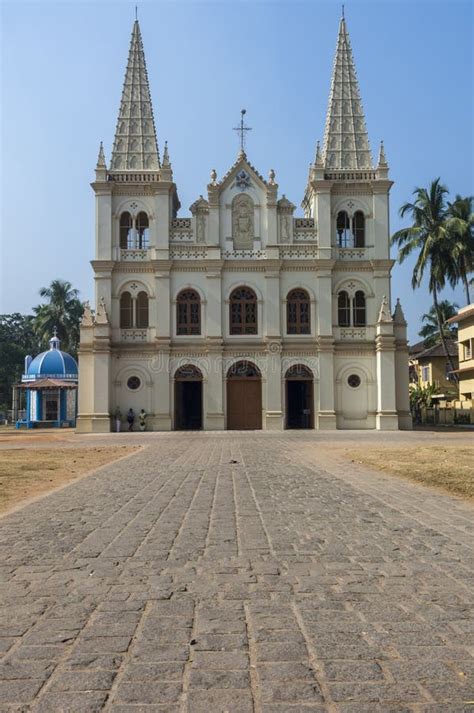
x=242, y=222
x=285, y=229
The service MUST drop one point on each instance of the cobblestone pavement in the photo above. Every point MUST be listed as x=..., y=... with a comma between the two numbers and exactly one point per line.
x=238, y=572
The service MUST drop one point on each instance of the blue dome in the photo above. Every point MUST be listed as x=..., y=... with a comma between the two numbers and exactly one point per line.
x=53, y=364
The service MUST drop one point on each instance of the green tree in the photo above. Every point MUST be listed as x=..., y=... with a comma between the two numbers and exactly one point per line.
x=461, y=225
x=62, y=311
x=430, y=329
x=17, y=339
x=430, y=238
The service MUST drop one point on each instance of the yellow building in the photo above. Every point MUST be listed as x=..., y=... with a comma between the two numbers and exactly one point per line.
x=465, y=320
x=430, y=366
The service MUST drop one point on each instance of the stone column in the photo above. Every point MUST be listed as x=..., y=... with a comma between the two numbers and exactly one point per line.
x=386, y=417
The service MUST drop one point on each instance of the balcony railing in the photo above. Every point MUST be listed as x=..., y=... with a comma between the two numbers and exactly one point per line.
x=134, y=335
x=351, y=253
x=134, y=255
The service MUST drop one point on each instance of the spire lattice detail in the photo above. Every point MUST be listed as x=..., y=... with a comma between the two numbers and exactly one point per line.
x=346, y=142
x=135, y=146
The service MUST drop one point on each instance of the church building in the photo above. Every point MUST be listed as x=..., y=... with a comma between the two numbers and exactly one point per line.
x=243, y=316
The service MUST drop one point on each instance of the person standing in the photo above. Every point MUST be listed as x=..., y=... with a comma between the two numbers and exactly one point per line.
x=130, y=418
x=142, y=420
x=118, y=419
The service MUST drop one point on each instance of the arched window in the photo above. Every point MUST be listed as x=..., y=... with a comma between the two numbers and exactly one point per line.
x=142, y=227
x=243, y=311
x=343, y=309
x=142, y=310
x=126, y=310
x=358, y=309
x=126, y=227
x=343, y=228
x=298, y=312
x=244, y=370
x=188, y=312
x=358, y=229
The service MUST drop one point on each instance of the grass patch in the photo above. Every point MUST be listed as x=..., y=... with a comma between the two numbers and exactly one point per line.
x=447, y=467
x=28, y=472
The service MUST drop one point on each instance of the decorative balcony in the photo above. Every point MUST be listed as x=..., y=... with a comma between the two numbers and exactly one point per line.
x=135, y=254
x=181, y=230
x=244, y=254
x=134, y=335
x=304, y=230
x=351, y=333
x=188, y=252
x=298, y=252
x=351, y=254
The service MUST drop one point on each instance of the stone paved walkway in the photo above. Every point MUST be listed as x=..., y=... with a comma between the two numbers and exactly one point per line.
x=241, y=573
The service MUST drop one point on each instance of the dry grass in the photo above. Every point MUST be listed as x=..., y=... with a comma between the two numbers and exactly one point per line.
x=28, y=472
x=447, y=467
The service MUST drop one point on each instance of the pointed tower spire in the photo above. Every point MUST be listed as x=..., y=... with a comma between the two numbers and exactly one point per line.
x=398, y=316
x=101, y=166
x=346, y=143
x=318, y=159
x=166, y=157
x=135, y=146
x=382, y=161
x=101, y=157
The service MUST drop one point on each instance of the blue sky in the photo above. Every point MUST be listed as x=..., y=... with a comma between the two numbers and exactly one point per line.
x=62, y=72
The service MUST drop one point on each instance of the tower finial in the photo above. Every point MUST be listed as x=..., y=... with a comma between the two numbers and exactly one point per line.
x=241, y=130
x=166, y=156
x=136, y=12
x=343, y=11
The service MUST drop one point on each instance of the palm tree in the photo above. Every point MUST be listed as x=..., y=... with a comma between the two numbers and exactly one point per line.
x=63, y=311
x=429, y=235
x=430, y=329
x=461, y=224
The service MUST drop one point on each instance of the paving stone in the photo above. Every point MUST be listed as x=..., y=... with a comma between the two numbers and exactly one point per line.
x=219, y=701
x=83, y=681
x=152, y=692
x=19, y=691
x=69, y=702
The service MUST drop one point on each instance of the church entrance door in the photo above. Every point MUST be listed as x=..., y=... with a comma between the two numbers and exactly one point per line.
x=299, y=397
x=244, y=397
x=188, y=399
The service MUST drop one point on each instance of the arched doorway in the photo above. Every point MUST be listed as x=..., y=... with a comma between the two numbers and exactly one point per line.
x=188, y=399
x=244, y=397
x=299, y=397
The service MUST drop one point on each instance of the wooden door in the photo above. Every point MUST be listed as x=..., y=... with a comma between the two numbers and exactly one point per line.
x=244, y=404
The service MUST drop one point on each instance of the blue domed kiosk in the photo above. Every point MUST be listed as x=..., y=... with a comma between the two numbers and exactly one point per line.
x=50, y=382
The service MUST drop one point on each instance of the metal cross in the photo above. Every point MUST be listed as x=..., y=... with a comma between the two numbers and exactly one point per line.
x=242, y=129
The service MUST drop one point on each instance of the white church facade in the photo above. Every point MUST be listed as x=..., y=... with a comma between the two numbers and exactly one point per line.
x=243, y=316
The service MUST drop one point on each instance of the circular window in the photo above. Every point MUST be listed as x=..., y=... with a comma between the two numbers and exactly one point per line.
x=354, y=381
x=134, y=383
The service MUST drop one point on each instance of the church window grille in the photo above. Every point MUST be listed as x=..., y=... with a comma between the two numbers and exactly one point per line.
x=358, y=309
x=343, y=309
x=142, y=227
x=142, y=310
x=244, y=369
x=353, y=380
x=298, y=311
x=243, y=311
x=188, y=312
x=358, y=229
x=126, y=310
x=126, y=228
x=134, y=383
x=343, y=228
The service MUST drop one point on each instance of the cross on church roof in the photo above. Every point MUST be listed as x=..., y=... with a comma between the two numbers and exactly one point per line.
x=242, y=129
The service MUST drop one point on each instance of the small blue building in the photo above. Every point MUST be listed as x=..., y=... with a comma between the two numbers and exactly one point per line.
x=50, y=383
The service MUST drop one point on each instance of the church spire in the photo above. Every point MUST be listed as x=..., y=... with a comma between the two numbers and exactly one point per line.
x=135, y=146
x=346, y=143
